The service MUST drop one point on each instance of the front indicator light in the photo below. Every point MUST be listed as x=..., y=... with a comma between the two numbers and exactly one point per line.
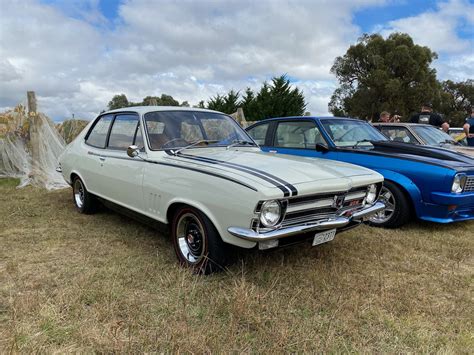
x=371, y=195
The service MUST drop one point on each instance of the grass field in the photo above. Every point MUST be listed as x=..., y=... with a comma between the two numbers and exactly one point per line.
x=77, y=283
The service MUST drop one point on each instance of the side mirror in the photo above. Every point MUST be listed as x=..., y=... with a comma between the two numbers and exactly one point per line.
x=133, y=151
x=320, y=147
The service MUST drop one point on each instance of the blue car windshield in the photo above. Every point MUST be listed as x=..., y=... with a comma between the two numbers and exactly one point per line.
x=197, y=129
x=350, y=133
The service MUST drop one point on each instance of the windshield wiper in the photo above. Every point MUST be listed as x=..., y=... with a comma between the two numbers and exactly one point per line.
x=201, y=141
x=362, y=141
x=447, y=141
x=237, y=142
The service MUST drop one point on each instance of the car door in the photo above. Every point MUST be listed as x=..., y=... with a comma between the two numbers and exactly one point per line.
x=90, y=164
x=298, y=137
x=123, y=176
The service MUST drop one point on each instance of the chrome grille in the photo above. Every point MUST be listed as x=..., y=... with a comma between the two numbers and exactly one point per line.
x=469, y=186
x=312, y=208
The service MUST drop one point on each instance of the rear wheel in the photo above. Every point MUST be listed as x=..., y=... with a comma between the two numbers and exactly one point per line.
x=85, y=202
x=197, y=243
x=398, y=207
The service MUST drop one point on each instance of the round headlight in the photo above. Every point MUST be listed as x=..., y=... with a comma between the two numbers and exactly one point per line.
x=371, y=195
x=270, y=213
x=458, y=183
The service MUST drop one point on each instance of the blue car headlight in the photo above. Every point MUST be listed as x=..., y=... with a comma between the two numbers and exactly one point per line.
x=458, y=183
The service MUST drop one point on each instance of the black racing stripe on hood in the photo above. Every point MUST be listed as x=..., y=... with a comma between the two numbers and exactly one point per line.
x=420, y=151
x=207, y=173
x=284, y=186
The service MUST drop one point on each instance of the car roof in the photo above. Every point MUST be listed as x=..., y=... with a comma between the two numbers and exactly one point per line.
x=404, y=124
x=309, y=118
x=141, y=110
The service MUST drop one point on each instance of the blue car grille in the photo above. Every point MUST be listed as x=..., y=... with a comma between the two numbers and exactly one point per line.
x=469, y=187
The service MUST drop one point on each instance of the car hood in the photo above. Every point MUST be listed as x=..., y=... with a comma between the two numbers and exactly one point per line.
x=425, y=154
x=270, y=169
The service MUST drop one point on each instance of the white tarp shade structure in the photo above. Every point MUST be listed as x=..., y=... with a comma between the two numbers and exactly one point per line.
x=30, y=147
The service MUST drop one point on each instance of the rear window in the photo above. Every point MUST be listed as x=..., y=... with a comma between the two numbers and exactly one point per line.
x=98, y=135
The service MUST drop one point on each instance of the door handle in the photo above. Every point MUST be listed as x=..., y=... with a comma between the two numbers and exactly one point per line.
x=102, y=158
x=272, y=151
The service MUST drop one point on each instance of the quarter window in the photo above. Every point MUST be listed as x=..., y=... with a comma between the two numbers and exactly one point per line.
x=259, y=133
x=98, y=135
x=123, y=132
x=299, y=134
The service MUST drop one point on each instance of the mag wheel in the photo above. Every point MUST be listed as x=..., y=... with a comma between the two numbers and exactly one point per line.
x=84, y=201
x=197, y=243
x=398, y=208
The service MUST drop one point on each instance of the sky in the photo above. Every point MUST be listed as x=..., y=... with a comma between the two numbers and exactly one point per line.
x=77, y=55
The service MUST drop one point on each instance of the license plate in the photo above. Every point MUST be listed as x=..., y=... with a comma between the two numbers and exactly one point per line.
x=324, y=237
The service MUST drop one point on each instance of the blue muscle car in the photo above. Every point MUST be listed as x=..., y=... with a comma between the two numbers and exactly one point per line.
x=434, y=184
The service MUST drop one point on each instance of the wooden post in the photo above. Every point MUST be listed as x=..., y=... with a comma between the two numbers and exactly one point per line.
x=31, y=102
x=33, y=144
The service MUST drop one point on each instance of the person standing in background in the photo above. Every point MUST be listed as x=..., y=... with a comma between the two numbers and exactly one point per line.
x=469, y=128
x=427, y=116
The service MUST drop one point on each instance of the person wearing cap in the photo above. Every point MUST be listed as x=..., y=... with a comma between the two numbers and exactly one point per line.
x=427, y=116
x=469, y=128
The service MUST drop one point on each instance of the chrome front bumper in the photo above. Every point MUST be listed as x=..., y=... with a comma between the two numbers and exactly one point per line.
x=338, y=222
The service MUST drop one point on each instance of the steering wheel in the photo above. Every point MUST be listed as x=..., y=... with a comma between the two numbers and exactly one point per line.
x=175, y=140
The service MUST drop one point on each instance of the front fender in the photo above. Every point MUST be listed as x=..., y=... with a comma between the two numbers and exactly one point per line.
x=407, y=184
x=216, y=221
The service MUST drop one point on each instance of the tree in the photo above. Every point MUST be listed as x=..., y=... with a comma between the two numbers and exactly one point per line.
x=380, y=74
x=224, y=103
x=456, y=100
x=277, y=99
x=118, y=101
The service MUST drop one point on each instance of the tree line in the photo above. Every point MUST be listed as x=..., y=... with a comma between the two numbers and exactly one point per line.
x=374, y=75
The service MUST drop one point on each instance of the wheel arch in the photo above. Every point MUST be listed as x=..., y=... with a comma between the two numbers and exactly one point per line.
x=406, y=185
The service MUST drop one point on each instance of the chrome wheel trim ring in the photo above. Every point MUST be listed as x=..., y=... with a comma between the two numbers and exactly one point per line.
x=190, y=237
x=79, y=193
x=386, y=196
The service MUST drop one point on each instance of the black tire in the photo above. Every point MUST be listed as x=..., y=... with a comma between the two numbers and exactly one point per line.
x=398, y=211
x=84, y=201
x=197, y=243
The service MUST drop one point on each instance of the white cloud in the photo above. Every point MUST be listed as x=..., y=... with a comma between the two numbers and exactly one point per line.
x=76, y=60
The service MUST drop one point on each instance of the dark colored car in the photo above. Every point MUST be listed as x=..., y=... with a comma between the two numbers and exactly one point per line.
x=433, y=184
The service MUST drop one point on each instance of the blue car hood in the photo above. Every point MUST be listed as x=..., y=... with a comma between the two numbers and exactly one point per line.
x=424, y=154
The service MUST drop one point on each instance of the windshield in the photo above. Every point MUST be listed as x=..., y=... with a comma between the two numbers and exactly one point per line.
x=349, y=133
x=179, y=129
x=432, y=135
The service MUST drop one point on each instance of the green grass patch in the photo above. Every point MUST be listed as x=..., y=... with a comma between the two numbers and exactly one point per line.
x=104, y=283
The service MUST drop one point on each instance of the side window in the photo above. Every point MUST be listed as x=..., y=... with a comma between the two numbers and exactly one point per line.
x=123, y=132
x=303, y=134
x=258, y=133
x=98, y=135
x=399, y=134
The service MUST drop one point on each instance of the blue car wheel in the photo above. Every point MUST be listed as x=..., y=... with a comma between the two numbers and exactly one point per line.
x=398, y=209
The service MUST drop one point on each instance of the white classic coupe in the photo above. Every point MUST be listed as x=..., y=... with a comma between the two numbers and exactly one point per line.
x=200, y=173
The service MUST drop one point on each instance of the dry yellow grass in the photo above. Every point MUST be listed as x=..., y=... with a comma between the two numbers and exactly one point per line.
x=77, y=283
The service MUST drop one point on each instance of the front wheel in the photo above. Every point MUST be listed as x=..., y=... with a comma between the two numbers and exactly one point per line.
x=197, y=243
x=398, y=207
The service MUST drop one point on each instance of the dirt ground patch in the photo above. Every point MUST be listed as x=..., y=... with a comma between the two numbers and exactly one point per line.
x=77, y=283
